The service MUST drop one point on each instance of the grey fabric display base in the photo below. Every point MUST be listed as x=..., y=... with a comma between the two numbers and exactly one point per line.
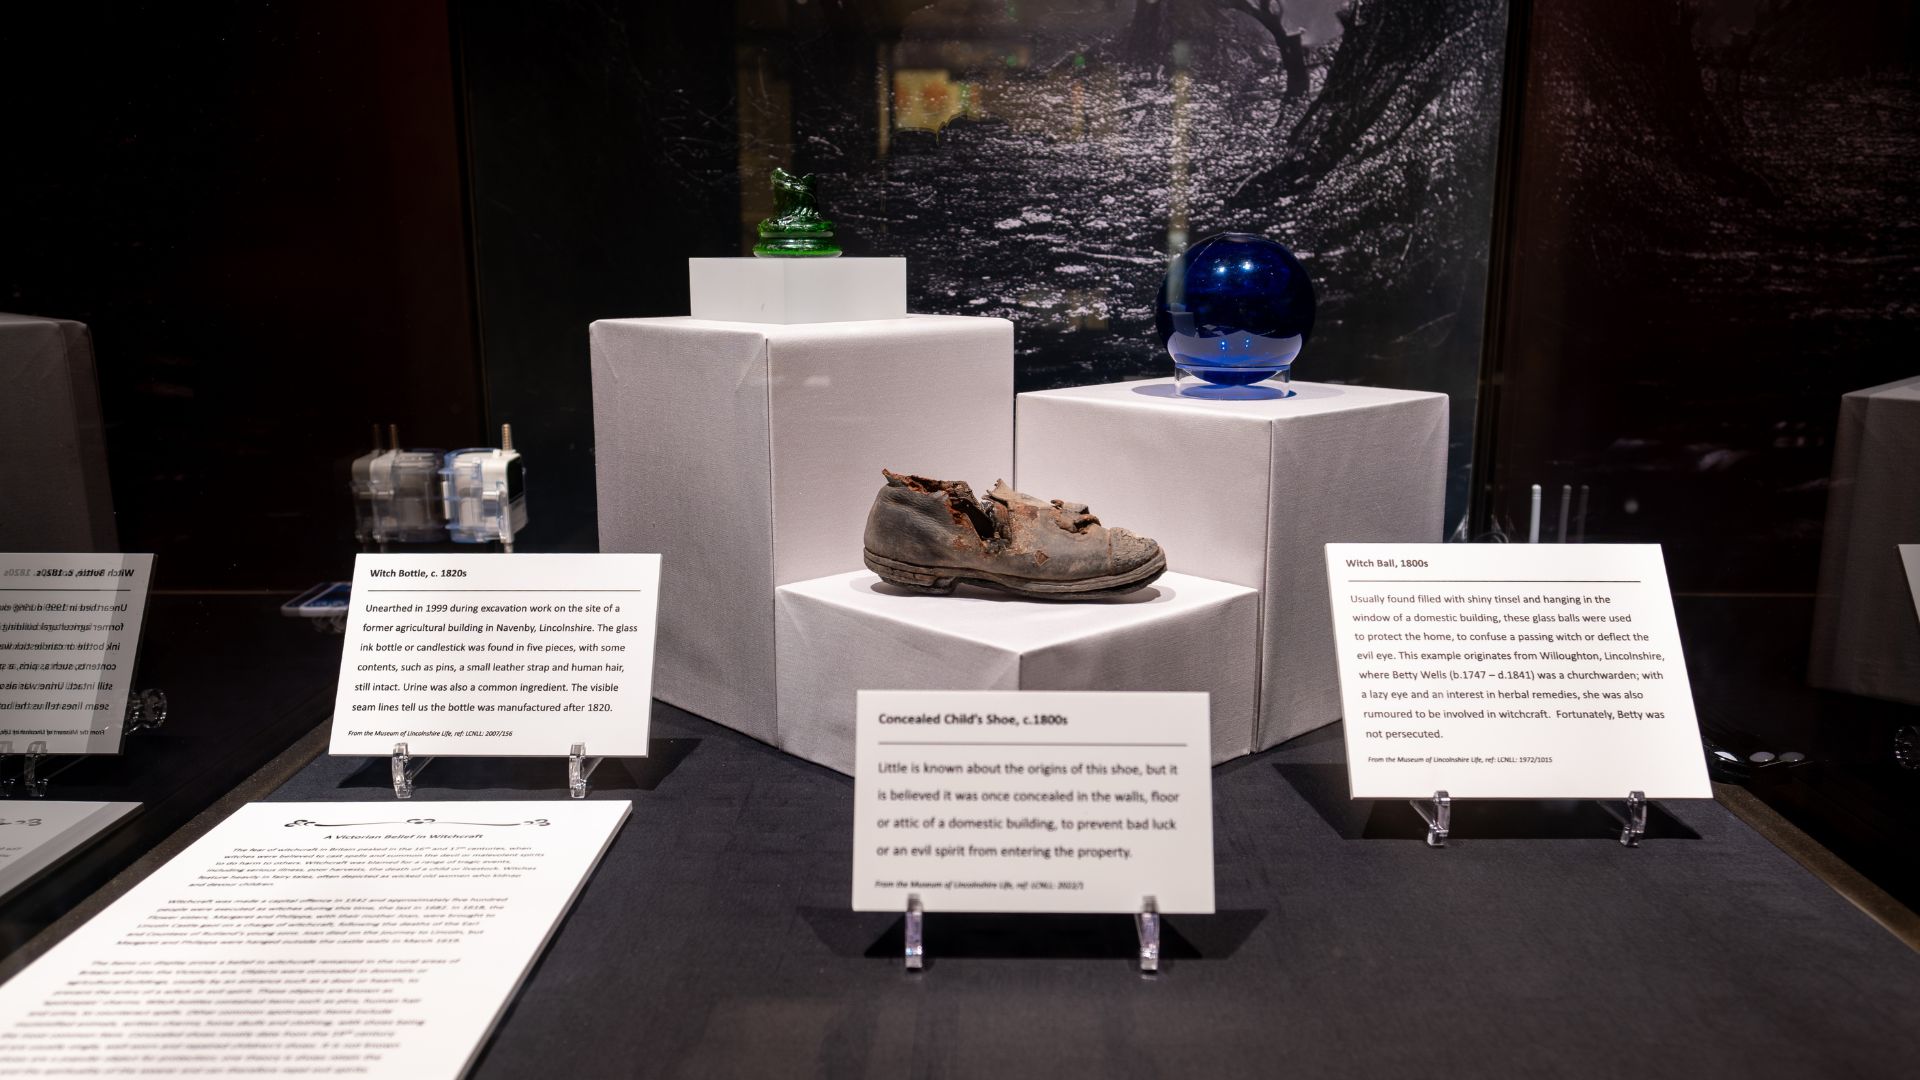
x=715, y=940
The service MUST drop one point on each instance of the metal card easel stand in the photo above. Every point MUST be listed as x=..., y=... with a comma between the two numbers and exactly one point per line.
x=146, y=711
x=404, y=767
x=1437, y=812
x=1146, y=925
x=1633, y=823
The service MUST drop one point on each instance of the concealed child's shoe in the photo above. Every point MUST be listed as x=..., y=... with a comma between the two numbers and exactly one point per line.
x=931, y=535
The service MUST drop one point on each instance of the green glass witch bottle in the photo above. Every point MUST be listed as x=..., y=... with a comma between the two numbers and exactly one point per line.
x=796, y=230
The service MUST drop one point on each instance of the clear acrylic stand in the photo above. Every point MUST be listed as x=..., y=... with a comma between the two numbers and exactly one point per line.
x=31, y=775
x=146, y=710
x=9, y=780
x=1633, y=823
x=916, y=951
x=404, y=769
x=579, y=768
x=1146, y=923
x=1438, y=814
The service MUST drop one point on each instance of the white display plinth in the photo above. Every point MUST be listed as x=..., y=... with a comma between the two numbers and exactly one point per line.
x=1250, y=492
x=850, y=632
x=797, y=290
x=747, y=456
x=1865, y=637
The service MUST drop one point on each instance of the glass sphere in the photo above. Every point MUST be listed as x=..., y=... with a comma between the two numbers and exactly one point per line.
x=1235, y=310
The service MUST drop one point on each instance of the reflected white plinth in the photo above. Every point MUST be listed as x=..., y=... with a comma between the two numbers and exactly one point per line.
x=1865, y=637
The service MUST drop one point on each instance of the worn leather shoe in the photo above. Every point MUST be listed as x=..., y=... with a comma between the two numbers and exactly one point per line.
x=931, y=535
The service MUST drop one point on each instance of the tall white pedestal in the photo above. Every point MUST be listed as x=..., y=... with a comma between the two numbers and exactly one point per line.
x=747, y=455
x=850, y=632
x=1249, y=492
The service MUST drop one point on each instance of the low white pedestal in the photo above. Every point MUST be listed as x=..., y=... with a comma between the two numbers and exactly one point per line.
x=1865, y=637
x=1249, y=492
x=851, y=632
x=748, y=454
x=797, y=290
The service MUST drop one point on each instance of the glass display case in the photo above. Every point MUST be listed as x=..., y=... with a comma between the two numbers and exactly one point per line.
x=1244, y=277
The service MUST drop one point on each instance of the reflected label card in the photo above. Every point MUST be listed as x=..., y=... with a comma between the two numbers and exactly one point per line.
x=498, y=655
x=69, y=638
x=1032, y=801
x=1517, y=671
x=37, y=835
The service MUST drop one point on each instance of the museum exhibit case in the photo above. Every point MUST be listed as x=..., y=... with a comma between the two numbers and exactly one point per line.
x=1175, y=537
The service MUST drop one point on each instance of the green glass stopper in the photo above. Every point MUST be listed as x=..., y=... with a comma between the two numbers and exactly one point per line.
x=796, y=230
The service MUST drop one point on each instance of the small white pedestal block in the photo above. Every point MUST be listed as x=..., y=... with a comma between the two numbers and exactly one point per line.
x=797, y=290
x=747, y=455
x=851, y=632
x=1865, y=637
x=1249, y=492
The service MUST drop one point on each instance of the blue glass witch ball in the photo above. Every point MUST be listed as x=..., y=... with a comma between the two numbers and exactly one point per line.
x=1235, y=310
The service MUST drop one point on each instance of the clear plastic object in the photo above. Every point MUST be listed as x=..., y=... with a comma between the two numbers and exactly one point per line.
x=396, y=495
x=485, y=493
x=405, y=503
x=360, y=482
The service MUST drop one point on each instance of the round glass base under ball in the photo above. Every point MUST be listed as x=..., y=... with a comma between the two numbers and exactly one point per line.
x=1232, y=384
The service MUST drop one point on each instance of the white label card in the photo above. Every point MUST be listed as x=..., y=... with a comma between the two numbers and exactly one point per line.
x=312, y=939
x=36, y=835
x=1032, y=801
x=498, y=655
x=1512, y=671
x=1910, y=559
x=69, y=637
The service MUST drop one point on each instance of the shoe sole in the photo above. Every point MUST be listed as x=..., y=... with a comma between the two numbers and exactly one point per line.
x=941, y=581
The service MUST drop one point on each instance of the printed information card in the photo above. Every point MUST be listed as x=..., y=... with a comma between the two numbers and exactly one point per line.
x=1519, y=671
x=498, y=655
x=37, y=835
x=69, y=636
x=1032, y=801
x=312, y=939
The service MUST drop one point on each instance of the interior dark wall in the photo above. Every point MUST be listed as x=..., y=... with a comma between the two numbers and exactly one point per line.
x=257, y=209
x=1714, y=235
x=582, y=116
